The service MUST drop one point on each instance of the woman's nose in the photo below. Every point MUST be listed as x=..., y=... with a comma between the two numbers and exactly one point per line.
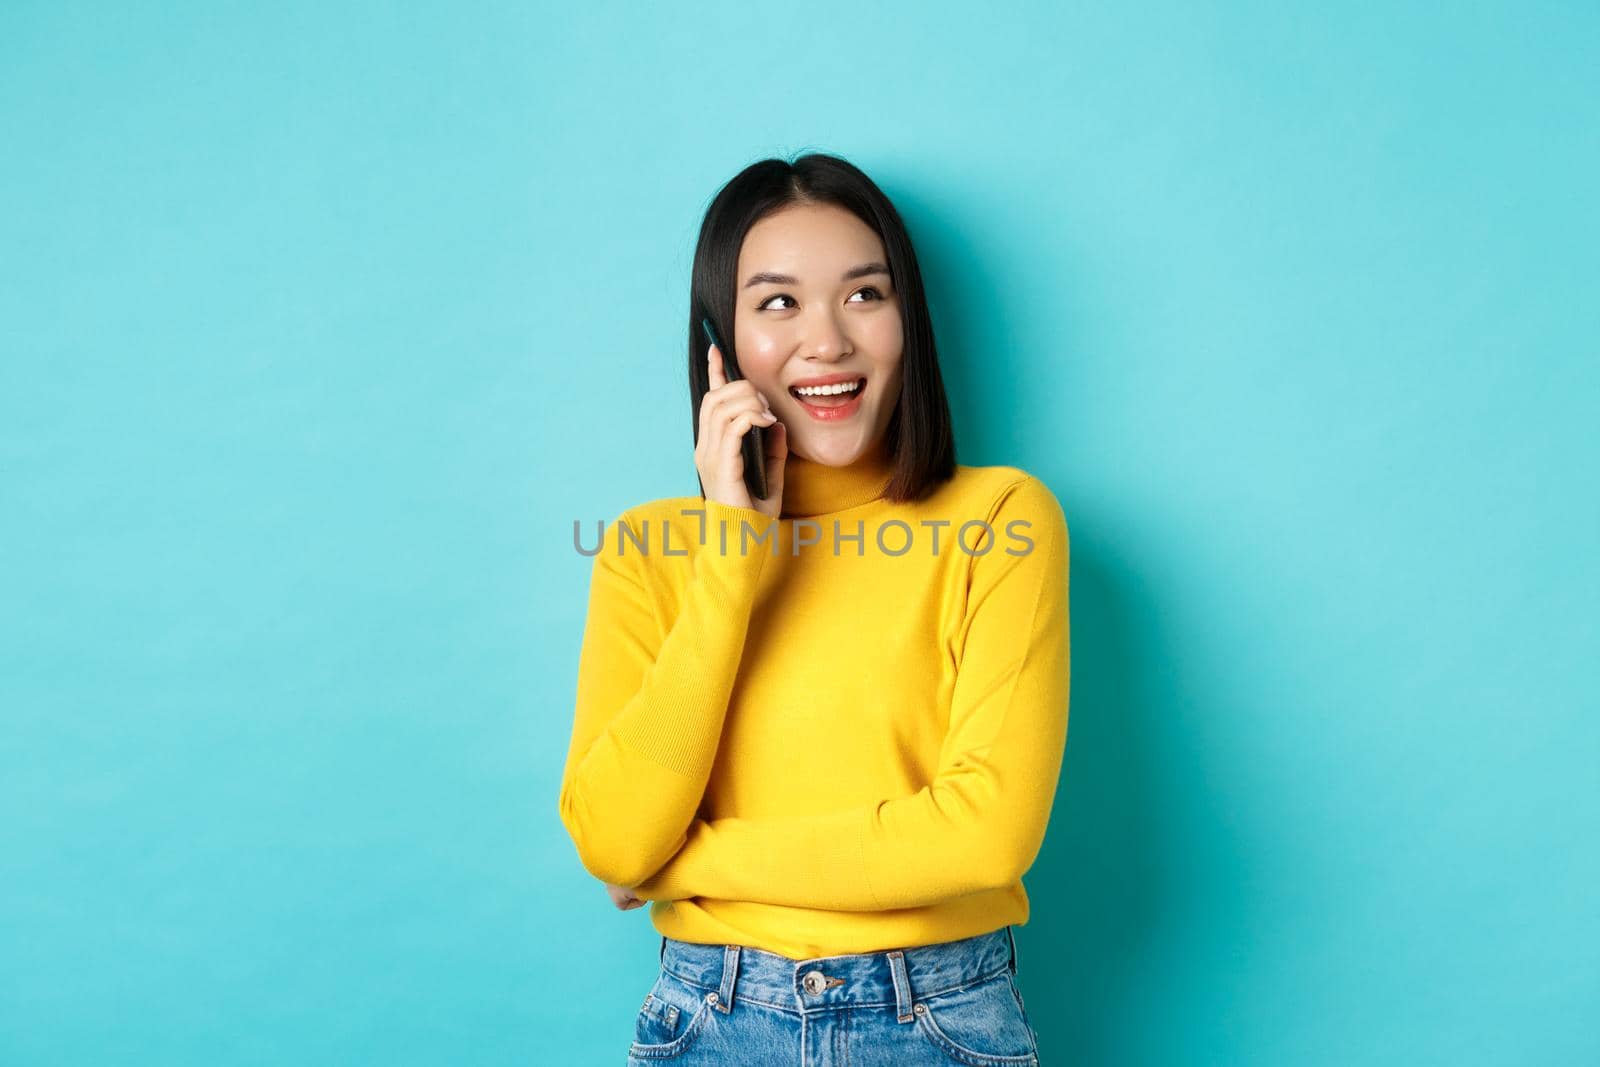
x=825, y=339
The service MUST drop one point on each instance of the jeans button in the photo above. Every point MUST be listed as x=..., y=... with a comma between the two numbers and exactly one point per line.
x=813, y=982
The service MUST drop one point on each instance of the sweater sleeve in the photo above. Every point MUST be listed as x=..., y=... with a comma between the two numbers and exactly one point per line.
x=979, y=824
x=650, y=705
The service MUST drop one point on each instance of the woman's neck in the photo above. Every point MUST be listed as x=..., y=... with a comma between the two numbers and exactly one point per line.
x=813, y=488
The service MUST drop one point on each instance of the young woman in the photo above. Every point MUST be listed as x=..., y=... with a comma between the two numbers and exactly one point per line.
x=821, y=731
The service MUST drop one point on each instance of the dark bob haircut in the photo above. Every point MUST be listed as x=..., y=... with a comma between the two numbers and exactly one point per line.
x=920, y=437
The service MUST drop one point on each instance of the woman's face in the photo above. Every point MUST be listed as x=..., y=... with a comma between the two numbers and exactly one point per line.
x=815, y=301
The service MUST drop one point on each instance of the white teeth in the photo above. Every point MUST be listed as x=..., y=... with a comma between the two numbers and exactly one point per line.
x=828, y=390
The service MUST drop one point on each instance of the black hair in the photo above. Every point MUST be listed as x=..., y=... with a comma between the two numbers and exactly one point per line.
x=920, y=438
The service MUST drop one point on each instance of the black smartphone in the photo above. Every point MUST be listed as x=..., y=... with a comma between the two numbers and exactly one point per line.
x=754, y=442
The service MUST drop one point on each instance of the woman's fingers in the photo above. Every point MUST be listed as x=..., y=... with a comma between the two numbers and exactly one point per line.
x=718, y=379
x=777, y=443
x=714, y=369
x=739, y=424
x=719, y=408
x=728, y=411
x=623, y=897
x=721, y=390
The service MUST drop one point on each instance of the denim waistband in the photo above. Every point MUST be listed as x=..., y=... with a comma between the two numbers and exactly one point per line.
x=866, y=979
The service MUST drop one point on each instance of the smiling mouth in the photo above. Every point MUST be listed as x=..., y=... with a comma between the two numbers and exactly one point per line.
x=831, y=400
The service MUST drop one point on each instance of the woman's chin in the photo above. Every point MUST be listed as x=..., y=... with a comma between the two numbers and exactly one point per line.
x=832, y=454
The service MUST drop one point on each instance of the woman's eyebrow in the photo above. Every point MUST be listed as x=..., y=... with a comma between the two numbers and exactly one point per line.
x=860, y=271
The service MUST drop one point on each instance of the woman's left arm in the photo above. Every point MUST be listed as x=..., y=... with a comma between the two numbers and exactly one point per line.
x=980, y=823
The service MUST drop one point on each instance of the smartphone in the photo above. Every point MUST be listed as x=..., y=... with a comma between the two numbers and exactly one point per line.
x=754, y=442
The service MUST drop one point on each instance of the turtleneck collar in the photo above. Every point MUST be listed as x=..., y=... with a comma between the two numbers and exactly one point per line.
x=812, y=488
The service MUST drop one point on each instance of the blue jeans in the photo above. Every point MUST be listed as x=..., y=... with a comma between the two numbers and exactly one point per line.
x=955, y=1002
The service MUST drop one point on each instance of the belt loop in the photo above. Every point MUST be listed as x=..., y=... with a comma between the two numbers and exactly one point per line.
x=1012, y=938
x=730, y=969
x=902, y=986
x=663, y=949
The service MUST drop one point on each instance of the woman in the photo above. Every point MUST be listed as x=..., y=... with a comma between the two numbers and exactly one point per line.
x=821, y=731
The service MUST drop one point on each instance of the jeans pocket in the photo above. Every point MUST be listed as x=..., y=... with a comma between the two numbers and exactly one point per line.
x=672, y=1016
x=657, y=1022
x=980, y=1025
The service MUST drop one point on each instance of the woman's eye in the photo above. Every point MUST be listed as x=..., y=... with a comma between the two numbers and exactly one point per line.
x=763, y=306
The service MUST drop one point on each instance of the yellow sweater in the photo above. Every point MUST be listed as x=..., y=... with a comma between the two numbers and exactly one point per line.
x=844, y=738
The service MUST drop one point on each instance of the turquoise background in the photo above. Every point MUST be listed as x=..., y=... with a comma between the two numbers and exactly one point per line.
x=320, y=324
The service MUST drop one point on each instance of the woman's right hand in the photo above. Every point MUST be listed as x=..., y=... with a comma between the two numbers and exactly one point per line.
x=727, y=412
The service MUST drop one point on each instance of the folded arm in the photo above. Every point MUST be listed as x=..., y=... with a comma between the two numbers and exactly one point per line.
x=650, y=708
x=981, y=822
